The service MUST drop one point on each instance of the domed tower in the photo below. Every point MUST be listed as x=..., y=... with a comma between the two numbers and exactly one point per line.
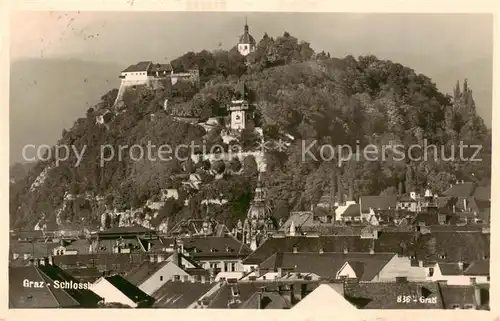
x=247, y=43
x=259, y=210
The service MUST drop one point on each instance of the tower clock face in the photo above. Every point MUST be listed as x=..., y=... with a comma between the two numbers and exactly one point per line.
x=238, y=117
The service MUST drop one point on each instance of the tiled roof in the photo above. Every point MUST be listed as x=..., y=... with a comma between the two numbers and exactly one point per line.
x=450, y=269
x=161, y=67
x=85, y=274
x=456, y=228
x=222, y=298
x=331, y=243
x=81, y=245
x=179, y=295
x=299, y=219
x=373, y=295
x=103, y=262
x=460, y=295
x=141, y=273
x=479, y=267
x=131, y=291
x=483, y=193
x=268, y=300
x=334, y=229
x=461, y=190
x=453, y=246
x=377, y=202
x=366, y=265
x=140, y=66
x=352, y=211
x=46, y=296
x=247, y=38
x=36, y=248
x=426, y=219
x=213, y=246
x=126, y=230
x=33, y=235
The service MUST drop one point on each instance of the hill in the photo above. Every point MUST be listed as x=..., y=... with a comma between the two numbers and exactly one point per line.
x=44, y=100
x=298, y=93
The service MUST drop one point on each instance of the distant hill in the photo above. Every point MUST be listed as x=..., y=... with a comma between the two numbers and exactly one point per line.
x=46, y=95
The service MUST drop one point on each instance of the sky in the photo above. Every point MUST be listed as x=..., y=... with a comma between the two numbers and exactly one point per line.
x=126, y=37
x=445, y=47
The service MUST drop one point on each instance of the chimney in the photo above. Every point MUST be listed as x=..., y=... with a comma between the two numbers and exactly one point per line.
x=293, y=300
x=420, y=263
x=321, y=250
x=346, y=250
x=185, y=278
x=212, y=279
x=42, y=261
x=303, y=290
x=419, y=291
x=50, y=260
x=261, y=296
x=372, y=251
x=202, y=279
x=461, y=265
x=159, y=258
x=152, y=258
x=295, y=249
x=477, y=295
x=280, y=272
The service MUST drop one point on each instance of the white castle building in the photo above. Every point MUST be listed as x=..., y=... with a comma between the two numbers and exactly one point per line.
x=147, y=72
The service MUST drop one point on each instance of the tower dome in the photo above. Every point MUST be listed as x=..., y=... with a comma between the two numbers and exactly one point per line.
x=259, y=208
x=246, y=43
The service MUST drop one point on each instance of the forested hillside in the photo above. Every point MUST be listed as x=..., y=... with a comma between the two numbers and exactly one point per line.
x=307, y=95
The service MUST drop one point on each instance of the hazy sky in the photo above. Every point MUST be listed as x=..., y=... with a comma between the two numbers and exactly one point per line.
x=126, y=37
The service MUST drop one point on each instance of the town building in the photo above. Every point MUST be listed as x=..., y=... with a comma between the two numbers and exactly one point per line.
x=241, y=110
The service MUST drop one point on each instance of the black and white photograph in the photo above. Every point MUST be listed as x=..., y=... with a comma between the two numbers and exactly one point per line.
x=299, y=161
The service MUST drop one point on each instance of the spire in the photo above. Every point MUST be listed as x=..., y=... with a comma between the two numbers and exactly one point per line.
x=246, y=25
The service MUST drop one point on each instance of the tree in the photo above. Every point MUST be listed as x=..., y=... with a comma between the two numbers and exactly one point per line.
x=235, y=164
x=389, y=191
x=250, y=165
x=249, y=139
x=219, y=166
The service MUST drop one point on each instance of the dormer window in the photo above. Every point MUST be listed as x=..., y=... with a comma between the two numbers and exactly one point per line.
x=213, y=250
x=442, y=256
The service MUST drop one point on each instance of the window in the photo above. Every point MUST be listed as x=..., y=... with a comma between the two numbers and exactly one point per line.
x=455, y=306
x=469, y=306
x=233, y=268
x=177, y=277
x=161, y=277
x=488, y=278
x=431, y=271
